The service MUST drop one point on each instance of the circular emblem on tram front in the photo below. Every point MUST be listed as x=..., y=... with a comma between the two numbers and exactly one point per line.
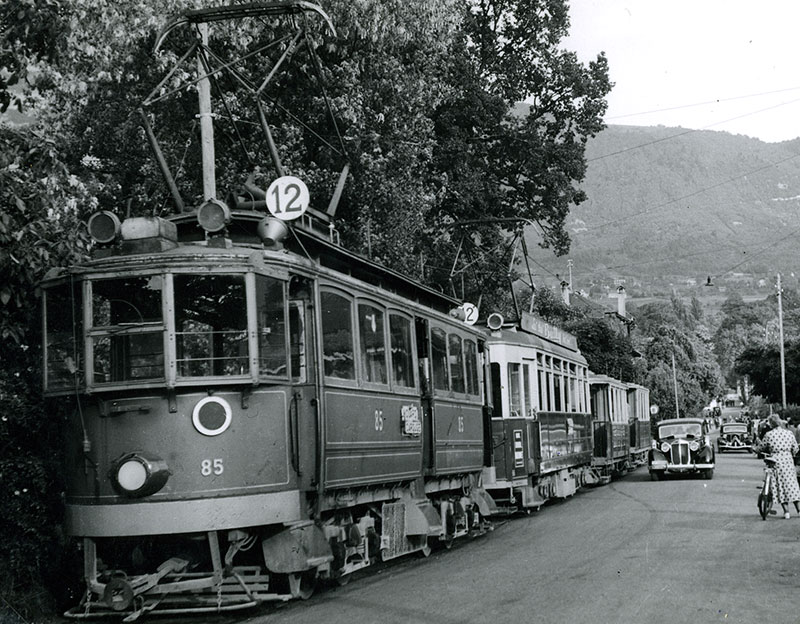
x=212, y=416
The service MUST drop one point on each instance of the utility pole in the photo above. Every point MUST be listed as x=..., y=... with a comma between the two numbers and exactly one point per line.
x=780, y=334
x=206, y=119
x=569, y=266
x=675, y=385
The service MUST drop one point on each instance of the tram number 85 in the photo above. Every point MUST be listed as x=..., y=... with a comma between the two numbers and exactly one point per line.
x=211, y=466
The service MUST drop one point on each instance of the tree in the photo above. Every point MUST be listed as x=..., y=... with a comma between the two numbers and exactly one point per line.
x=607, y=351
x=40, y=208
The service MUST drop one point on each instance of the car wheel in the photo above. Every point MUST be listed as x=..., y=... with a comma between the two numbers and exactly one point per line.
x=708, y=473
x=656, y=475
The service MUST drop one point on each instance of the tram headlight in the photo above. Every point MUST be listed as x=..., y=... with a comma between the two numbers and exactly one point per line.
x=213, y=215
x=665, y=447
x=104, y=227
x=139, y=474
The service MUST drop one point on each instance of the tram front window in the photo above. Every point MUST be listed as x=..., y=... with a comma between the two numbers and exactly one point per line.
x=64, y=344
x=211, y=325
x=271, y=326
x=127, y=329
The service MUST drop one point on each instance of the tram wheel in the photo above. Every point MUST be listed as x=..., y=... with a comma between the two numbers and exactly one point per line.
x=303, y=584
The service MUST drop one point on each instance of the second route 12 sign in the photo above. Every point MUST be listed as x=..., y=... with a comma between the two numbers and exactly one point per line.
x=287, y=198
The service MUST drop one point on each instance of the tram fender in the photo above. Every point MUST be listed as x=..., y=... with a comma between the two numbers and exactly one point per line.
x=422, y=518
x=296, y=549
x=484, y=501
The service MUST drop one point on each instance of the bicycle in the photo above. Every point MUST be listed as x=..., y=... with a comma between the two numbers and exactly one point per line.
x=765, y=498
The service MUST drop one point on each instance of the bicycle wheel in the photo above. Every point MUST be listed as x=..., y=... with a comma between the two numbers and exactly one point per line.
x=765, y=497
x=763, y=505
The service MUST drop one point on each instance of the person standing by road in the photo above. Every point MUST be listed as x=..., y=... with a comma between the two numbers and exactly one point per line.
x=782, y=445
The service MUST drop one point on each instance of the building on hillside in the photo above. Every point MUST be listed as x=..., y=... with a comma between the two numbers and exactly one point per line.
x=619, y=318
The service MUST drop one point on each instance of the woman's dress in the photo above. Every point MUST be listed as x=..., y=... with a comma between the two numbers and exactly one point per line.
x=783, y=446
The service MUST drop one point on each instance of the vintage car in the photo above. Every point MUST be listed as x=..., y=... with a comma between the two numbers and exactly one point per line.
x=734, y=437
x=681, y=446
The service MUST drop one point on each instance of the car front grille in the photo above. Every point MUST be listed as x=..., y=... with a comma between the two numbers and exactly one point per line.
x=680, y=452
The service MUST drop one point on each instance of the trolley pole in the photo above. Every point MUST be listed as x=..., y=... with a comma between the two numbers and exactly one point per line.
x=780, y=335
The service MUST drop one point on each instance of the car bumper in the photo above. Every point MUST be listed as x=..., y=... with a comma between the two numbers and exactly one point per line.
x=664, y=466
x=733, y=447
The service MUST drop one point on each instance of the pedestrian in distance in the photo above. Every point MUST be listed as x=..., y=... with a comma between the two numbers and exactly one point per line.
x=782, y=445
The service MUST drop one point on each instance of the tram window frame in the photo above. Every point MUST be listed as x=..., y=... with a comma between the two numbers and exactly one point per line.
x=216, y=337
x=402, y=357
x=471, y=365
x=455, y=361
x=527, y=389
x=557, y=394
x=298, y=348
x=350, y=380
x=513, y=376
x=271, y=367
x=124, y=338
x=439, y=360
x=541, y=382
x=369, y=365
x=63, y=346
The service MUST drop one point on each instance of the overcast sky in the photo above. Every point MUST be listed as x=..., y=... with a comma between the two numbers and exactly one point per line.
x=731, y=65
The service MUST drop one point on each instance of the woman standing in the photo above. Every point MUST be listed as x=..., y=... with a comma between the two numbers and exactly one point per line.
x=782, y=445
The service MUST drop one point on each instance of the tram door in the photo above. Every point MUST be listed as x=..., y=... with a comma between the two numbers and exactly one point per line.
x=426, y=395
x=303, y=400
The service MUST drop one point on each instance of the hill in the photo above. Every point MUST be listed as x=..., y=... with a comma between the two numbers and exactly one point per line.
x=675, y=205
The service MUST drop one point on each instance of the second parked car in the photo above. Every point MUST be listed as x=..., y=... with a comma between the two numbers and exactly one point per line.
x=734, y=437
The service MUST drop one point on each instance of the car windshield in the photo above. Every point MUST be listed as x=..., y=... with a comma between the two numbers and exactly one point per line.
x=734, y=429
x=681, y=430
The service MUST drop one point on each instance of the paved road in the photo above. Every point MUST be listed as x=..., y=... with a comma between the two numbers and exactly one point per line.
x=681, y=550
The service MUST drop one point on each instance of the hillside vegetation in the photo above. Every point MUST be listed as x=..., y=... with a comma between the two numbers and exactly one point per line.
x=673, y=202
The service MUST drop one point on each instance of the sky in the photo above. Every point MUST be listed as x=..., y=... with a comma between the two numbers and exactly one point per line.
x=731, y=65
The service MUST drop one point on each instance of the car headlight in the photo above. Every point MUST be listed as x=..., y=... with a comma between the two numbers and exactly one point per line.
x=694, y=445
x=665, y=447
x=139, y=474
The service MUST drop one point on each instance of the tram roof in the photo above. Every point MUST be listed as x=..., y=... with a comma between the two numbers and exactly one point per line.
x=304, y=241
x=518, y=336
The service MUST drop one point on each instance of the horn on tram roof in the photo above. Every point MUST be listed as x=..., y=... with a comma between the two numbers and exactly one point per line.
x=272, y=231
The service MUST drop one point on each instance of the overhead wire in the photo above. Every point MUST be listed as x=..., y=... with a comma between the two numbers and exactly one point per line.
x=706, y=103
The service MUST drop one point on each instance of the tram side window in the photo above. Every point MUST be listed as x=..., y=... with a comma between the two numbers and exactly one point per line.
x=127, y=329
x=64, y=331
x=439, y=359
x=402, y=354
x=270, y=298
x=557, y=382
x=542, y=384
x=373, y=345
x=471, y=362
x=211, y=325
x=456, y=359
x=514, y=390
x=530, y=411
x=337, y=336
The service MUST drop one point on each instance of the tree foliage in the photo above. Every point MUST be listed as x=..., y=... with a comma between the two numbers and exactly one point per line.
x=40, y=203
x=678, y=330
